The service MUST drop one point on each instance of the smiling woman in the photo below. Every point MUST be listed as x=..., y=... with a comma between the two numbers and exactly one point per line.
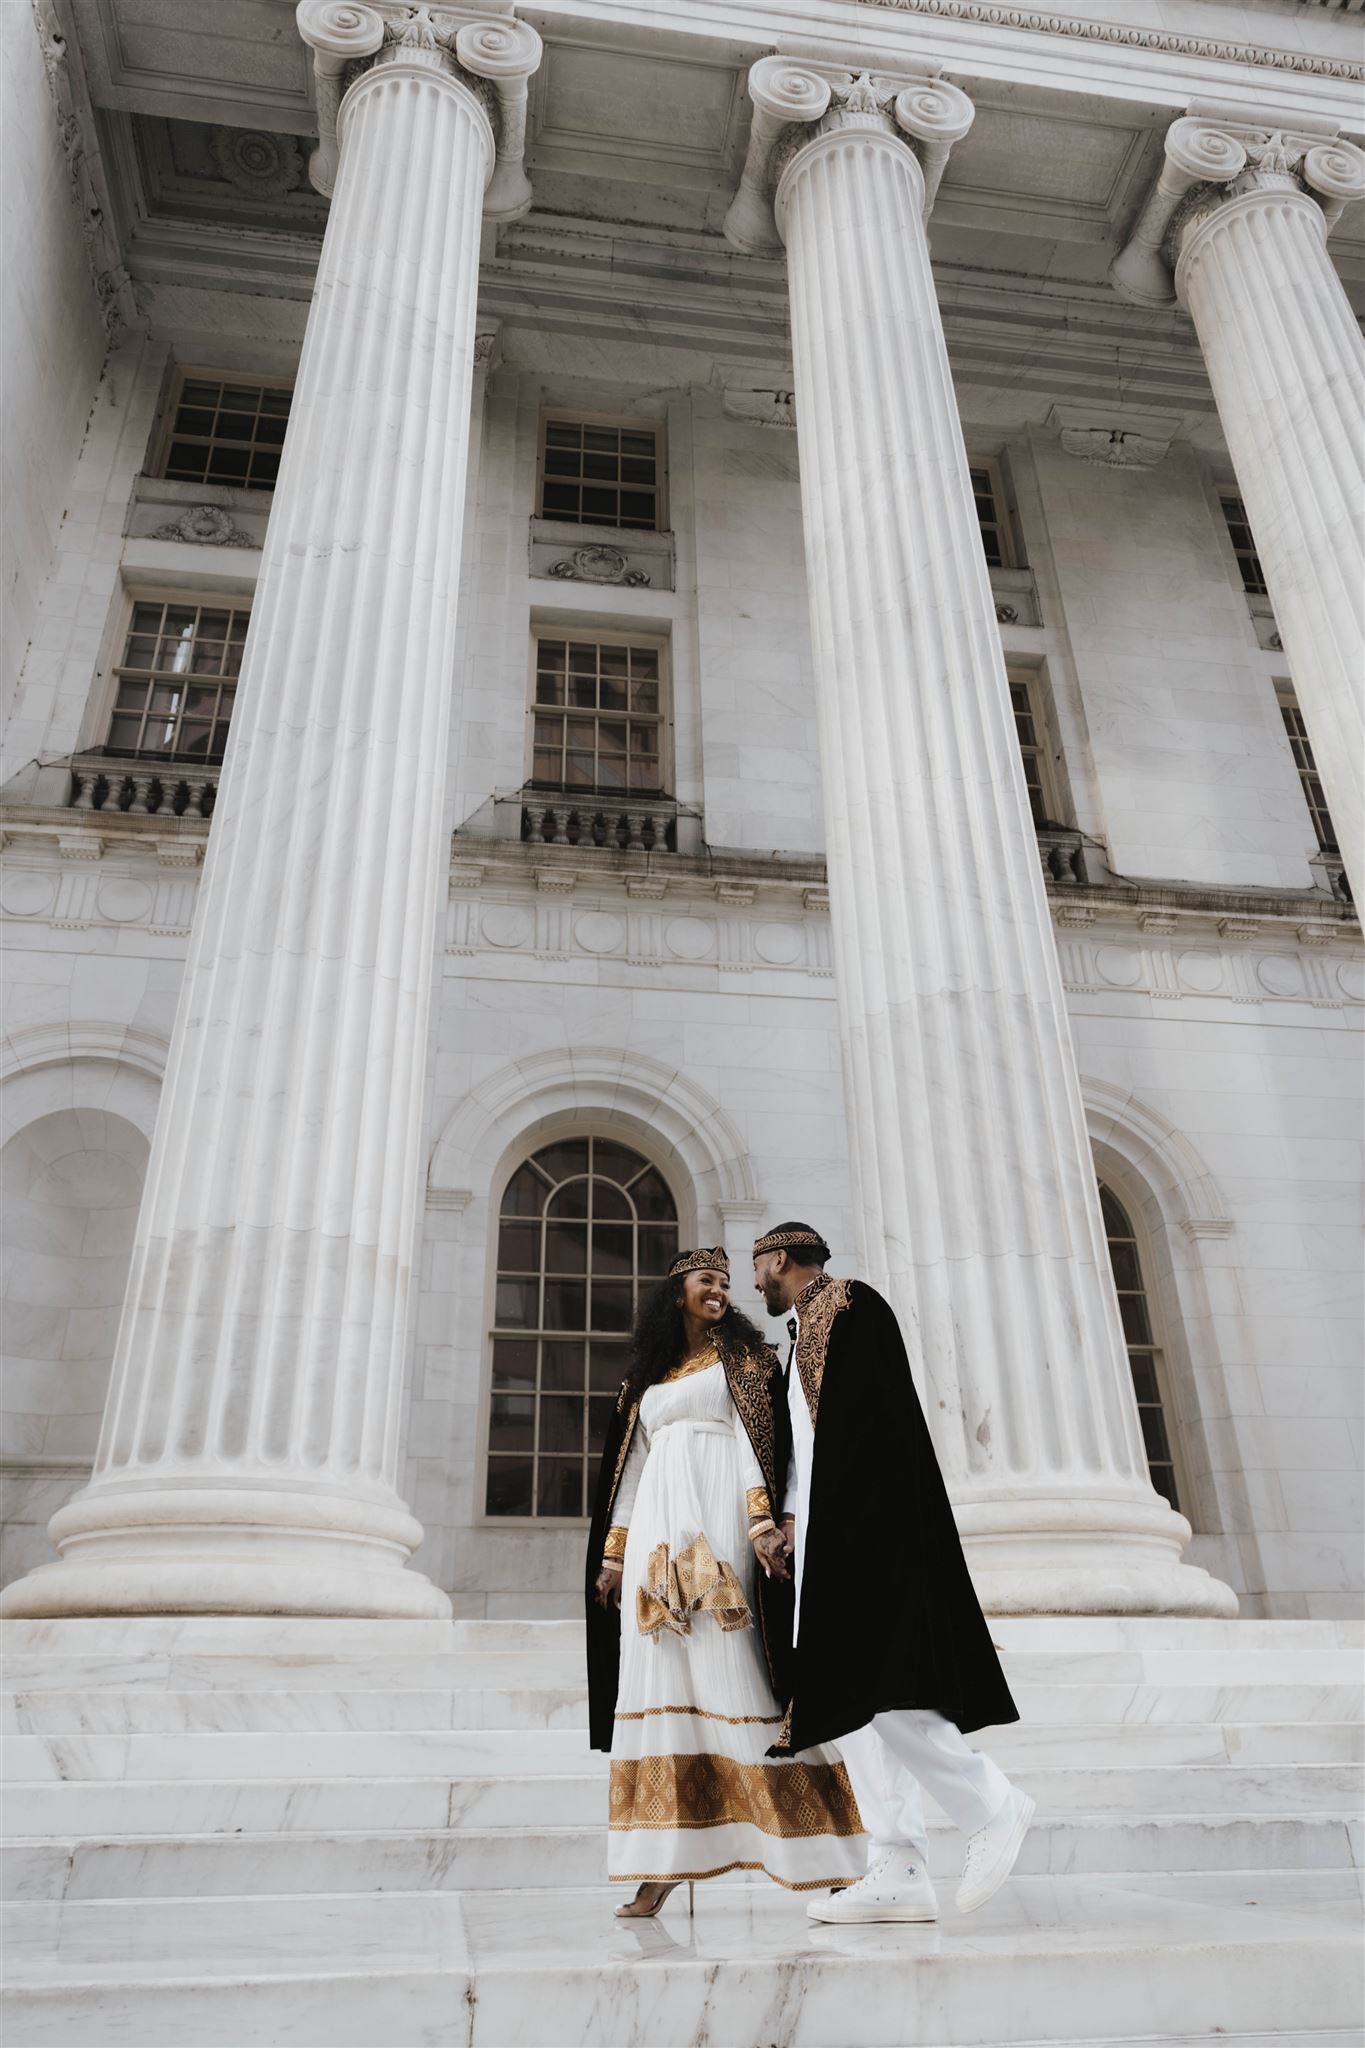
x=684, y=1559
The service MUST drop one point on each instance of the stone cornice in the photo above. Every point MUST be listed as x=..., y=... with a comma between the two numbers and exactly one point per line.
x=76, y=135
x=1163, y=42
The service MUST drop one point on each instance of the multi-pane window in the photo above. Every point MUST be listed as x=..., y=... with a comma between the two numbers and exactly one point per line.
x=600, y=474
x=990, y=515
x=1244, y=547
x=586, y=1227
x=227, y=433
x=1028, y=727
x=1314, y=794
x=1144, y=1358
x=175, y=684
x=597, y=720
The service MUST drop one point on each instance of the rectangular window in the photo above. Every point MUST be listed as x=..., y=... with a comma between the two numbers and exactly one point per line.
x=1244, y=547
x=223, y=432
x=1314, y=794
x=175, y=685
x=990, y=515
x=600, y=473
x=1031, y=731
x=598, y=716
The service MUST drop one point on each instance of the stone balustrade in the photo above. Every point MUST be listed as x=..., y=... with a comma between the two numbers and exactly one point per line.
x=601, y=821
x=143, y=788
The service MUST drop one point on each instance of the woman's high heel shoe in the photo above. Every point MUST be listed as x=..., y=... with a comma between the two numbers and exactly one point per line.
x=634, y=1911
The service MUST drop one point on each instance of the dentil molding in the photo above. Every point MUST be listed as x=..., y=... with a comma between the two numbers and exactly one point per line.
x=1215, y=154
x=491, y=52
x=1165, y=42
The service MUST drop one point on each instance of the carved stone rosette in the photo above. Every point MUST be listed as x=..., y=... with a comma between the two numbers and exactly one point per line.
x=491, y=53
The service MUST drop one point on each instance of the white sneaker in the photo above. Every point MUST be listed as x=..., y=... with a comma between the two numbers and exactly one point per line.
x=993, y=1851
x=893, y=1889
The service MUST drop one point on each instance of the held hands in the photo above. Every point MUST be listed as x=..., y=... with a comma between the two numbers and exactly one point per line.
x=608, y=1586
x=772, y=1551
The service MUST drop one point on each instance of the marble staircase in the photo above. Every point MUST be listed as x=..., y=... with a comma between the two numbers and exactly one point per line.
x=346, y=1833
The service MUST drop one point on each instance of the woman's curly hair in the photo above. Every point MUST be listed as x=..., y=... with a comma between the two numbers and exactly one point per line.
x=659, y=1340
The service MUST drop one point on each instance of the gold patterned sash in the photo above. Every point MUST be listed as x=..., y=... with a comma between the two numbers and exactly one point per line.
x=676, y=1588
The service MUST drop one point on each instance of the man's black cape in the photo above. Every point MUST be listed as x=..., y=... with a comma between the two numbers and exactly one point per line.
x=755, y=1383
x=889, y=1615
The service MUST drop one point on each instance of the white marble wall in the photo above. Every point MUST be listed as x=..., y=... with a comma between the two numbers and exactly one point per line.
x=1195, y=781
x=51, y=341
x=1236, y=1035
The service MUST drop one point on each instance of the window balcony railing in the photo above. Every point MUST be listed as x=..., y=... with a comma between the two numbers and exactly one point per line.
x=619, y=824
x=1062, y=852
x=143, y=788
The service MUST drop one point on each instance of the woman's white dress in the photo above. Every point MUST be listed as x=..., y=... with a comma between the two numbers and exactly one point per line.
x=693, y=1793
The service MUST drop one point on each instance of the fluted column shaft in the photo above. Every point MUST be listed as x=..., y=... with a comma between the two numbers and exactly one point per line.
x=249, y=1455
x=1287, y=366
x=972, y=1171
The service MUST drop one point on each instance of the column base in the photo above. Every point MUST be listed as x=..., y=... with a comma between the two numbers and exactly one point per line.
x=186, y=1550
x=1080, y=1556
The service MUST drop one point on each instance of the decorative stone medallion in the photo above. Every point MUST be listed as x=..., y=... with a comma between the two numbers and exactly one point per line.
x=598, y=564
x=261, y=165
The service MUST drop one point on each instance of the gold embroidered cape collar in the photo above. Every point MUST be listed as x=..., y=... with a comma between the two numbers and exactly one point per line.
x=818, y=1303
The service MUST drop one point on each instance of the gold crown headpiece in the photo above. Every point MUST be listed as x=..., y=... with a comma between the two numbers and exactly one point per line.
x=703, y=1261
x=790, y=1241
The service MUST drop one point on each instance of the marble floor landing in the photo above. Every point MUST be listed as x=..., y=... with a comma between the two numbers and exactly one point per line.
x=223, y=1834
x=1228, y=1957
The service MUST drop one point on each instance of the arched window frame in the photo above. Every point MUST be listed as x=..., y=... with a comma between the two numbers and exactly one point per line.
x=612, y=1129
x=1160, y=1326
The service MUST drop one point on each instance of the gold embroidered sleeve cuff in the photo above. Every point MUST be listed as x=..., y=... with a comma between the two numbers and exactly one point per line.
x=614, y=1549
x=757, y=1505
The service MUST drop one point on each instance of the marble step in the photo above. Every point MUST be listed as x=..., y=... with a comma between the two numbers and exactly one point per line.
x=417, y=1856
x=273, y=1800
x=293, y=1637
x=513, y=1705
x=126, y=1711
x=485, y=1668
x=1050, y=1961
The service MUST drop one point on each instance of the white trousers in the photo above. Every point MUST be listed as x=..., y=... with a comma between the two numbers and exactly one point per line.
x=897, y=1753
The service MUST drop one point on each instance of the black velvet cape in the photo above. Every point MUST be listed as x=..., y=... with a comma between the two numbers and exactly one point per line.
x=889, y=1615
x=755, y=1383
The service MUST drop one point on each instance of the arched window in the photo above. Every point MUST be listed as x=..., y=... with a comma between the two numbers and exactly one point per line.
x=1144, y=1355
x=585, y=1225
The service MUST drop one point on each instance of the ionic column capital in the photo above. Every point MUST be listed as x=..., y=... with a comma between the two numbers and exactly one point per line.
x=483, y=48
x=796, y=100
x=1212, y=160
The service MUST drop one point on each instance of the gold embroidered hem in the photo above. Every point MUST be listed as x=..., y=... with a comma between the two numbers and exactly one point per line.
x=705, y=1714
x=790, y=1800
x=676, y=1588
x=827, y=1883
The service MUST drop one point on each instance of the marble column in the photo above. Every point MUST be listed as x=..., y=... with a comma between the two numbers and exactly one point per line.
x=249, y=1454
x=1236, y=229
x=972, y=1171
